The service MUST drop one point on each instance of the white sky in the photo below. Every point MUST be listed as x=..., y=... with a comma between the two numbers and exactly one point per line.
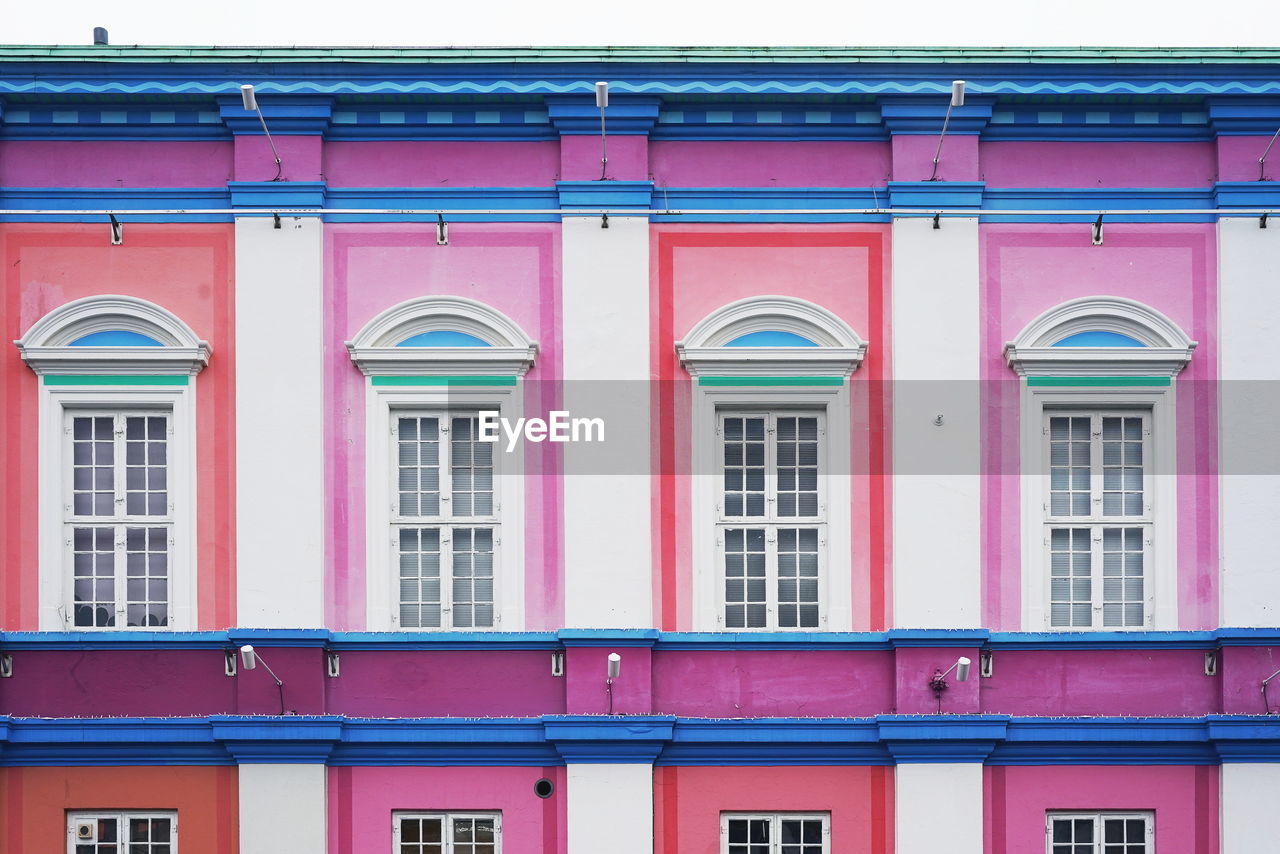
x=1219, y=23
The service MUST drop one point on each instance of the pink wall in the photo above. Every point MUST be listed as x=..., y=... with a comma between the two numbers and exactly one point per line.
x=436, y=165
x=1102, y=682
x=1027, y=269
x=184, y=268
x=513, y=268
x=750, y=684
x=768, y=164
x=913, y=157
x=688, y=802
x=104, y=163
x=1184, y=799
x=1099, y=164
x=697, y=270
x=361, y=802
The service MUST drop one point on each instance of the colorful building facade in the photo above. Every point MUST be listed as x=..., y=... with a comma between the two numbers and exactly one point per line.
x=652, y=491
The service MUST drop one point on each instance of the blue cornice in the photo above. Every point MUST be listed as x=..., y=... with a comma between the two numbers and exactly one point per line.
x=626, y=115
x=664, y=740
x=284, y=115
x=658, y=640
x=1236, y=115
x=285, y=194
x=935, y=194
x=1246, y=194
x=115, y=198
x=924, y=116
x=605, y=194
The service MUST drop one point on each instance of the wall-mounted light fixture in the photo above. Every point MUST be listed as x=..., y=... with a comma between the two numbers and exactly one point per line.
x=957, y=100
x=442, y=231
x=557, y=663
x=1097, y=231
x=251, y=659
x=938, y=681
x=615, y=667
x=986, y=664
x=229, y=666
x=1262, y=161
x=1266, y=703
x=602, y=101
x=6, y=666
x=250, y=101
x=117, y=230
x=332, y=664
x=1211, y=663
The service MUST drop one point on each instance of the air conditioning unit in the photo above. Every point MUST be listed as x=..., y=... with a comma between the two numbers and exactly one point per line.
x=84, y=830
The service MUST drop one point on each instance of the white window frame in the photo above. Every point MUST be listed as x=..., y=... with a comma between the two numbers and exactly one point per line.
x=120, y=519
x=57, y=405
x=771, y=523
x=382, y=583
x=122, y=818
x=775, y=843
x=448, y=818
x=835, y=566
x=1160, y=582
x=1147, y=816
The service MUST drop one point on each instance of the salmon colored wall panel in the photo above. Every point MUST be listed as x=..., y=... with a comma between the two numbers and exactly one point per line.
x=698, y=269
x=688, y=802
x=34, y=803
x=186, y=269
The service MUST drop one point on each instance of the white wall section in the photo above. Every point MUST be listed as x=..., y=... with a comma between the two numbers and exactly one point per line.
x=938, y=807
x=607, y=486
x=1249, y=393
x=279, y=423
x=1250, y=793
x=610, y=808
x=283, y=808
x=936, y=487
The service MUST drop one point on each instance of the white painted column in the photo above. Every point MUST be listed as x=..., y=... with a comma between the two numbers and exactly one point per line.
x=607, y=486
x=610, y=807
x=1250, y=793
x=283, y=808
x=938, y=801
x=936, y=482
x=1249, y=329
x=279, y=423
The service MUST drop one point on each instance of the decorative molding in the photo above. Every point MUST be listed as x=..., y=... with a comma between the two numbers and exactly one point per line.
x=626, y=115
x=46, y=347
x=703, y=350
x=1166, y=352
x=510, y=352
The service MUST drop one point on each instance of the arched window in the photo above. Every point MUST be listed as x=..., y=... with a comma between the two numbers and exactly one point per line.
x=1097, y=393
x=444, y=336
x=1100, y=336
x=117, y=434
x=444, y=507
x=770, y=386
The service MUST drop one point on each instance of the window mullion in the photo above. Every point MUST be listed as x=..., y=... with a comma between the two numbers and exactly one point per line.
x=446, y=576
x=445, y=456
x=1095, y=466
x=771, y=576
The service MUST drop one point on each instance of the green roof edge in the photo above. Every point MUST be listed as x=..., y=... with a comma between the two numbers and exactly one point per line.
x=156, y=53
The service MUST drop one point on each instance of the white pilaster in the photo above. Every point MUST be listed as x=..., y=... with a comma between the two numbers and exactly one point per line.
x=1250, y=792
x=283, y=808
x=610, y=808
x=938, y=801
x=1249, y=324
x=936, y=483
x=279, y=424
x=607, y=498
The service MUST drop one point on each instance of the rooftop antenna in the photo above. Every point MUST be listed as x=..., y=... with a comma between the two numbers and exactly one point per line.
x=957, y=100
x=251, y=103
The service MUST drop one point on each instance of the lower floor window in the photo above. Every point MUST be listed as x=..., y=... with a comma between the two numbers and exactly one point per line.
x=122, y=833
x=447, y=833
x=1101, y=833
x=785, y=833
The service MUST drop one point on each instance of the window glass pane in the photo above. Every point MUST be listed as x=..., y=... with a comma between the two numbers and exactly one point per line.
x=419, y=557
x=93, y=576
x=472, y=577
x=745, y=594
x=1069, y=462
x=797, y=466
x=471, y=468
x=1122, y=577
x=797, y=577
x=147, y=576
x=146, y=471
x=1122, y=466
x=744, y=472
x=93, y=465
x=418, y=469
x=1070, y=586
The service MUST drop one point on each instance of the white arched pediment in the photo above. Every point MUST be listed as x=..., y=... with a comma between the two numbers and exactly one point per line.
x=1134, y=338
x=78, y=338
x=775, y=335
x=491, y=342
